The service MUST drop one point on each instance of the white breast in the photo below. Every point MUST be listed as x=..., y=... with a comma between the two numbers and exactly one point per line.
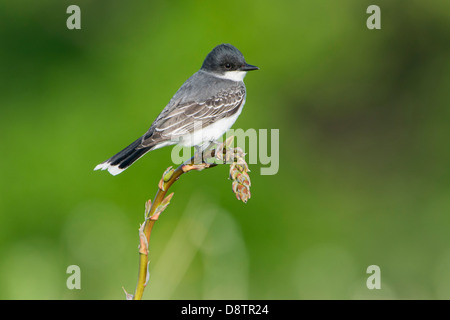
x=213, y=132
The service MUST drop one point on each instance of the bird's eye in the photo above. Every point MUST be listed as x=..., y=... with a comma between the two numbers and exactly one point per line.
x=228, y=66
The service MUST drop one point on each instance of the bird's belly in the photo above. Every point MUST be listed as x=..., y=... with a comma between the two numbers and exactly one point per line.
x=210, y=133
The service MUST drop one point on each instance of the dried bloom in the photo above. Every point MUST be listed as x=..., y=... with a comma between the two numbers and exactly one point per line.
x=239, y=175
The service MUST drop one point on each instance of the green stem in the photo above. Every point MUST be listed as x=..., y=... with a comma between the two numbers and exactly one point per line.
x=164, y=186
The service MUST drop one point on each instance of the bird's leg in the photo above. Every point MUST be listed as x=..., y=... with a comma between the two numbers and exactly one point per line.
x=198, y=155
x=225, y=151
x=219, y=152
x=218, y=148
x=214, y=148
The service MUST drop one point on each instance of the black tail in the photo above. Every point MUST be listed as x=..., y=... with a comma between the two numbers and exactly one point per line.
x=125, y=158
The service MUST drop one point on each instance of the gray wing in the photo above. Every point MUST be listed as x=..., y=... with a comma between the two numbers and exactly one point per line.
x=179, y=118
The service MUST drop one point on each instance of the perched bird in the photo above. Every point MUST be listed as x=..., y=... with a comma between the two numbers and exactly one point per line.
x=199, y=113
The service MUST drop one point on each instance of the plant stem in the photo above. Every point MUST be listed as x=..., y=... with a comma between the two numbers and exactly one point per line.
x=169, y=177
x=241, y=187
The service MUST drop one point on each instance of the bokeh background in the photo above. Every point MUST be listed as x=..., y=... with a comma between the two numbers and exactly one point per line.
x=364, y=150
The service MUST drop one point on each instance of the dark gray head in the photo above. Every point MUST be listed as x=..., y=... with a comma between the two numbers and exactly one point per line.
x=224, y=59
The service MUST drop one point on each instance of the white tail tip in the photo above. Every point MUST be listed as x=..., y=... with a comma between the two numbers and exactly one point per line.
x=114, y=170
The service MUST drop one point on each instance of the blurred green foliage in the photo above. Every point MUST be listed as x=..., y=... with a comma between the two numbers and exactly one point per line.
x=364, y=153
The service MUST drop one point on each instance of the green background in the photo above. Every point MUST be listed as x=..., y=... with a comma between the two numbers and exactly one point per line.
x=364, y=150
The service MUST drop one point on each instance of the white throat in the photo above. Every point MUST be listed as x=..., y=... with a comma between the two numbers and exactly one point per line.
x=233, y=75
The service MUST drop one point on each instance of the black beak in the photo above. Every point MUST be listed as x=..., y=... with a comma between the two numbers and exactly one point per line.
x=248, y=67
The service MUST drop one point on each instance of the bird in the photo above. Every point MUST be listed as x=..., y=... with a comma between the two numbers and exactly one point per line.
x=199, y=113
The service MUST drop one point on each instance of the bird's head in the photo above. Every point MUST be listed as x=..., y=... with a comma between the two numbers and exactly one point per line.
x=226, y=61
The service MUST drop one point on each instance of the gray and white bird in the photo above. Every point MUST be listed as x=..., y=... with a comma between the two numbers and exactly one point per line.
x=199, y=113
